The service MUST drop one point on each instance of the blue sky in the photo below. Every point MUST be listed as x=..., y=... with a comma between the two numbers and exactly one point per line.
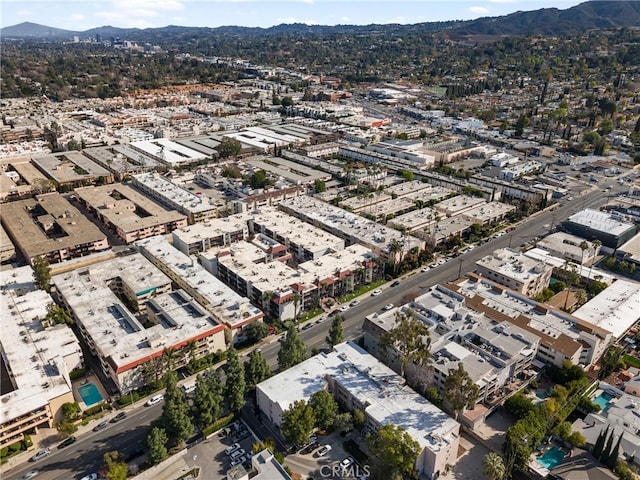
x=84, y=14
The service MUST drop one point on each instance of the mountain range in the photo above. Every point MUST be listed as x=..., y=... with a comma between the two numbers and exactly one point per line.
x=589, y=15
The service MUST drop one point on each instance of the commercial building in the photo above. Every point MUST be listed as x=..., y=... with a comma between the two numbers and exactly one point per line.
x=7, y=250
x=564, y=245
x=107, y=301
x=458, y=205
x=563, y=337
x=131, y=215
x=36, y=359
x=383, y=241
x=630, y=251
x=520, y=169
x=292, y=172
x=515, y=271
x=488, y=213
x=609, y=228
x=196, y=207
x=167, y=152
x=49, y=226
x=358, y=381
x=220, y=301
x=493, y=353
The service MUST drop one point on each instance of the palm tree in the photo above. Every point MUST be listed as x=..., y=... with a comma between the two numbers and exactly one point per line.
x=266, y=301
x=596, y=248
x=572, y=278
x=169, y=358
x=493, y=466
x=583, y=246
x=297, y=298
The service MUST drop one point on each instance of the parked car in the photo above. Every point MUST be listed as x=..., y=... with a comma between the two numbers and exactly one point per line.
x=324, y=450
x=346, y=463
x=355, y=303
x=232, y=448
x=237, y=453
x=68, y=441
x=344, y=308
x=30, y=474
x=307, y=326
x=238, y=460
x=100, y=426
x=396, y=283
x=388, y=306
x=425, y=269
x=91, y=476
x=119, y=417
x=40, y=455
x=154, y=400
x=376, y=292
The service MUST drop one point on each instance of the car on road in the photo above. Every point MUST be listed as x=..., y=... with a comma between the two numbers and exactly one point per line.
x=346, y=463
x=154, y=400
x=425, y=269
x=376, y=292
x=344, y=308
x=321, y=319
x=91, y=476
x=119, y=417
x=30, y=474
x=396, y=283
x=307, y=326
x=100, y=426
x=388, y=306
x=355, y=303
x=232, y=448
x=40, y=455
x=68, y=441
x=324, y=450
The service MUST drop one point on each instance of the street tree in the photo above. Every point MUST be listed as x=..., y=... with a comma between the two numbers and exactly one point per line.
x=207, y=399
x=41, y=273
x=394, y=451
x=493, y=466
x=292, y=349
x=235, y=384
x=336, y=333
x=115, y=466
x=255, y=331
x=157, y=443
x=324, y=407
x=175, y=416
x=256, y=369
x=460, y=391
x=297, y=423
x=407, y=342
x=343, y=422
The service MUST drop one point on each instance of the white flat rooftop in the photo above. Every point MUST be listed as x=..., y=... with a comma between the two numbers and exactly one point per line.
x=600, y=221
x=169, y=152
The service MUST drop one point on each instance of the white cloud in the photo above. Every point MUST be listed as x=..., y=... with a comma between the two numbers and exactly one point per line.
x=24, y=13
x=479, y=10
x=138, y=13
x=310, y=2
x=399, y=19
x=289, y=20
x=345, y=19
x=76, y=17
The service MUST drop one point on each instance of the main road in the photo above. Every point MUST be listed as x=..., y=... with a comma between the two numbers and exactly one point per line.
x=85, y=456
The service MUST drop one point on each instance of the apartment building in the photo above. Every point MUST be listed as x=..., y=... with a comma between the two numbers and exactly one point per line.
x=228, y=308
x=515, y=271
x=358, y=381
x=128, y=213
x=564, y=245
x=36, y=359
x=51, y=227
x=196, y=207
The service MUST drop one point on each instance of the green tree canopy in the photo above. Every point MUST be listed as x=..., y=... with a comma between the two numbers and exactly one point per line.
x=297, y=423
x=255, y=331
x=175, y=416
x=157, y=443
x=336, y=333
x=394, y=453
x=493, y=466
x=292, y=349
x=229, y=147
x=324, y=407
x=319, y=186
x=41, y=273
x=115, y=466
x=235, y=385
x=256, y=369
x=207, y=399
x=459, y=390
x=408, y=341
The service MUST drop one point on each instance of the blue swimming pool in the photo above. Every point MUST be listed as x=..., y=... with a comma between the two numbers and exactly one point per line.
x=603, y=401
x=551, y=457
x=90, y=394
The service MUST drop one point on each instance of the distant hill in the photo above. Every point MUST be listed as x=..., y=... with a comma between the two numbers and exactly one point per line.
x=547, y=21
x=34, y=30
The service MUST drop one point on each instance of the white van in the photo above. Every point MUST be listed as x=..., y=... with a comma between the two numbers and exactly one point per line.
x=188, y=388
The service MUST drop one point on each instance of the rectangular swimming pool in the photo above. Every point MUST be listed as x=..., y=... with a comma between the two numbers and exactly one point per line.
x=90, y=394
x=551, y=457
x=603, y=400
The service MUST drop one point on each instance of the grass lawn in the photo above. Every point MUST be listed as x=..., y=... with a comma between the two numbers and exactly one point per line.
x=631, y=361
x=362, y=290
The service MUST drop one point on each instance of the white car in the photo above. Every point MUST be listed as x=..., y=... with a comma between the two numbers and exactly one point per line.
x=155, y=399
x=344, y=308
x=232, y=448
x=425, y=269
x=324, y=450
x=238, y=460
x=40, y=455
x=376, y=292
x=346, y=463
x=29, y=475
x=91, y=476
x=388, y=306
